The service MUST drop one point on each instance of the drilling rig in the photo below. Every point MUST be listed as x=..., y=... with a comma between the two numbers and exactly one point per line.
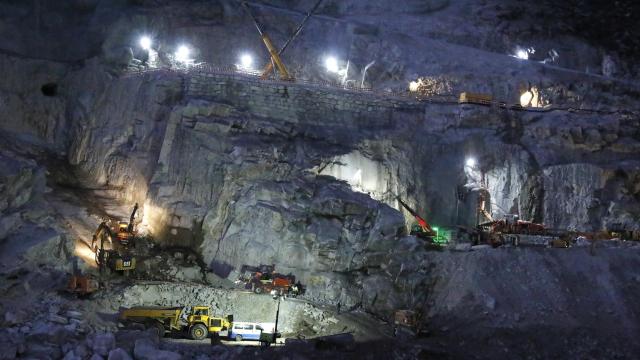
x=421, y=229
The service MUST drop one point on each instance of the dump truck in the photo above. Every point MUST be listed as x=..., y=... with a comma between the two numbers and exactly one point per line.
x=194, y=321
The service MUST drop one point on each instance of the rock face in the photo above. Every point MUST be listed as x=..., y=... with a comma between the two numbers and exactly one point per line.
x=235, y=169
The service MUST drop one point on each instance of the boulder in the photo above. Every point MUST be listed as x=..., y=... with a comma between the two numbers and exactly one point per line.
x=71, y=355
x=119, y=354
x=103, y=343
x=43, y=350
x=146, y=349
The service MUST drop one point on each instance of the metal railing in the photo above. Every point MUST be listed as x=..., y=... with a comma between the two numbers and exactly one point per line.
x=404, y=95
x=253, y=76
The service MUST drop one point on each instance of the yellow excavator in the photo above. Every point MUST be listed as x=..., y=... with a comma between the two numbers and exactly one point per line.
x=116, y=256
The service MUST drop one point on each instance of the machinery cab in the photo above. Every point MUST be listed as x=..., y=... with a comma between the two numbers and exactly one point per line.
x=199, y=314
x=202, y=315
x=123, y=234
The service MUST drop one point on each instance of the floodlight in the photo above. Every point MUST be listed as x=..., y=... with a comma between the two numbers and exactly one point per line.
x=182, y=54
x=331, y=63
x=145, y=42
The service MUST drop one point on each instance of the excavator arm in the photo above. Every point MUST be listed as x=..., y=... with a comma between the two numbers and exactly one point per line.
x=133, y=216
x=424, y=225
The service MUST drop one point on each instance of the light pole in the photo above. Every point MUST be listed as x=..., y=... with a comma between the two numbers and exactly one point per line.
x=275, y=328
x=364, y=72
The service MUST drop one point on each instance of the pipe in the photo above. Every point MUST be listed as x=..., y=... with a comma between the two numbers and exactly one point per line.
x=346, y=73
x=364, y=72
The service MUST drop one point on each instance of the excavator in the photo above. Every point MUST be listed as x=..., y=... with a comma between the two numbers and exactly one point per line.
x=123, y=231
x=421, y=229
x=116, y=256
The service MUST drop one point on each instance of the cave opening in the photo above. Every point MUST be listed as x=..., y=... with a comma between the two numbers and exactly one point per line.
x=49, y=89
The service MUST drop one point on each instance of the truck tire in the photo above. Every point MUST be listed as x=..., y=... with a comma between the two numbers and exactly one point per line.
x=258, y=290
x=198, y=332
x=160, y=328
x=238, y=337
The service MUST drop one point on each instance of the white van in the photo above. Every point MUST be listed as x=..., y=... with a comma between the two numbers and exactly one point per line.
x=245, y=331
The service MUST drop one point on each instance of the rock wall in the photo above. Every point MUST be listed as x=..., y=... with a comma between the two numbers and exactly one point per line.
x=231, y=168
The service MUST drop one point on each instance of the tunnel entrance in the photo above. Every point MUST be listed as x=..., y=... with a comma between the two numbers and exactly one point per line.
x=49, y=89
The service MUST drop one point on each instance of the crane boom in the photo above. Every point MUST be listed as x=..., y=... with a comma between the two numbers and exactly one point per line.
x=132, y=218
x=269, y=67
x=284, y=74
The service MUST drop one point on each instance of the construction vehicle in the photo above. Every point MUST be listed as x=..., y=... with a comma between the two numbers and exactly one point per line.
x=269, y=67
x=512, y=231
x=407, y=321
x=421, y=229
x=115, y=256
x=623, y=233
x=122, y=261
x=194, y=321
x=264, y=279
x=510, y=224
x=475, y=98
x=122, y=231
x=79, y=284
x=273, y=52
x=82, y=285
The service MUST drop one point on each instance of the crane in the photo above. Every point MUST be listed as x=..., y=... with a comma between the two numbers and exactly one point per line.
x=269, y=67
x=276, y=61
x=275, y=55
x=422, y=228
